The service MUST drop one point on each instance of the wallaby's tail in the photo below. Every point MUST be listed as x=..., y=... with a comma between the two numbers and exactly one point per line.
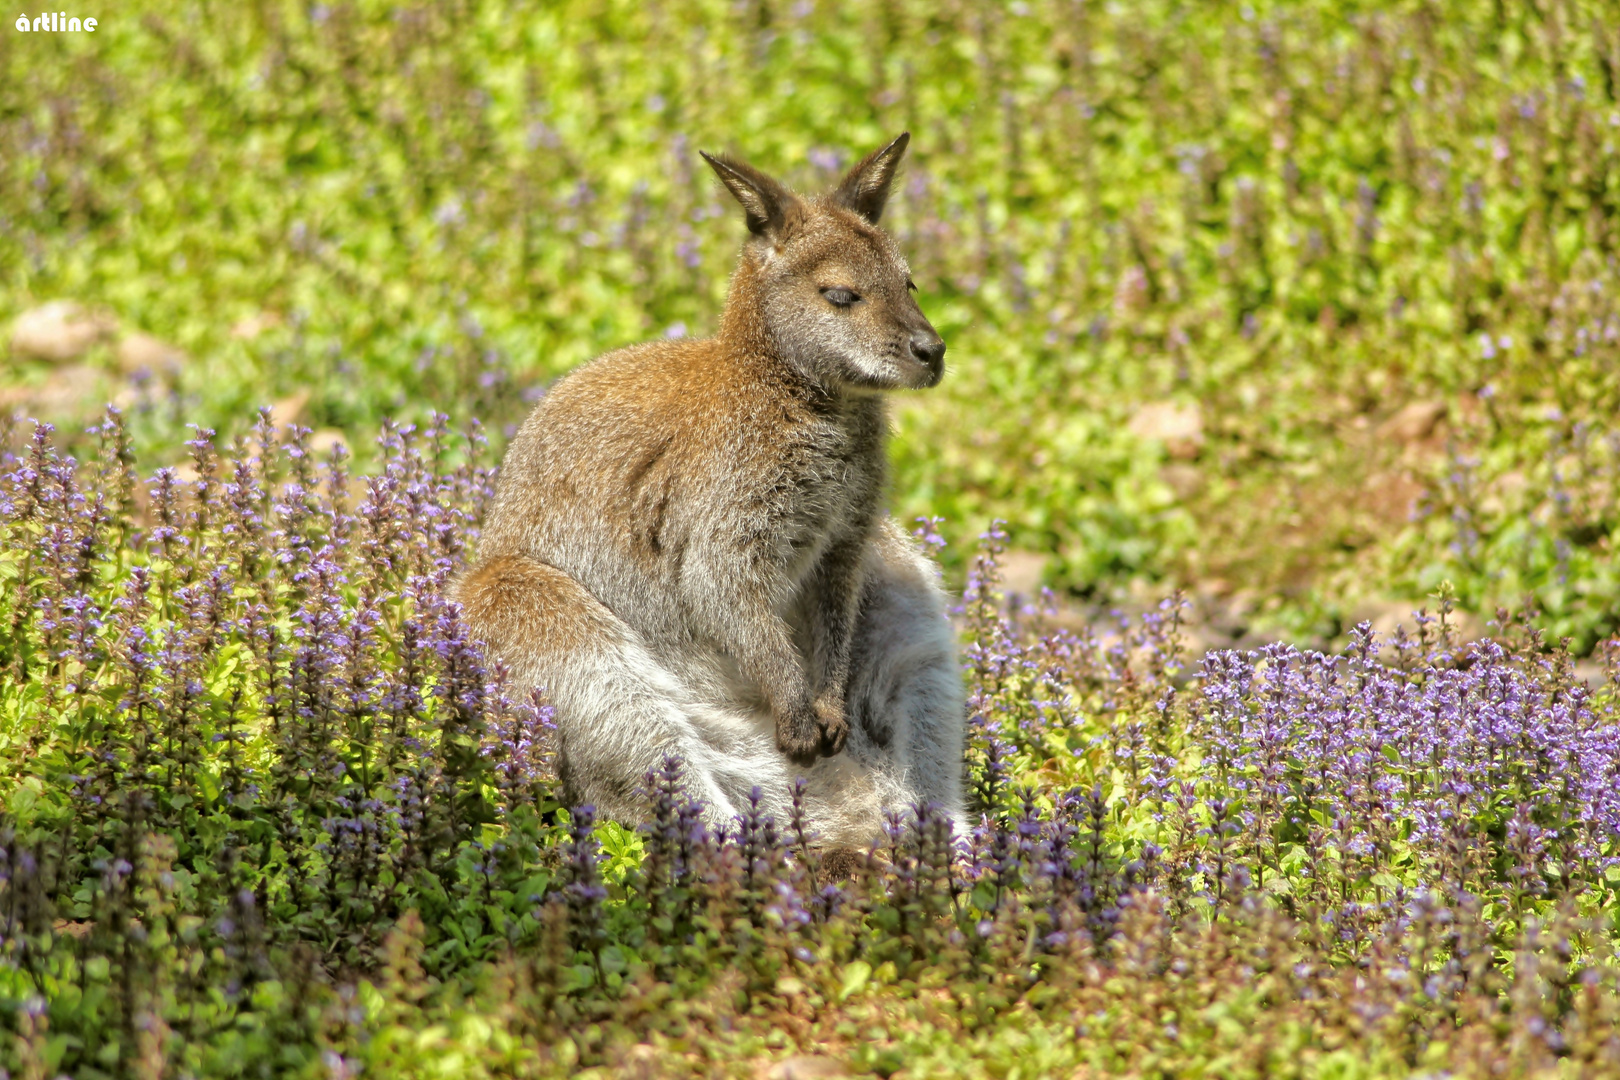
x=619, y=711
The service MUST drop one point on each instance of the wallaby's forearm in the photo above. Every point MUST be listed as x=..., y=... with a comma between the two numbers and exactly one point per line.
x=836, y=604
x=741, y=619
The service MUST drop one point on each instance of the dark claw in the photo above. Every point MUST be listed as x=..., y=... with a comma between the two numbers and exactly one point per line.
x=833, y=739
x=804, y=761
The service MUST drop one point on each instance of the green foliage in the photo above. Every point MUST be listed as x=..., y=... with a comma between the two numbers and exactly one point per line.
x=264, y=812
x=267, y=812
x=1299, y=217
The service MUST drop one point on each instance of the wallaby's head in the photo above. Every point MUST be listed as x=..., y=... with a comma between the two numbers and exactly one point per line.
x=830, y=287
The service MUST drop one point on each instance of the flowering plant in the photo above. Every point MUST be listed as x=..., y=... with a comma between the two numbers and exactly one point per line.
x=267, y=806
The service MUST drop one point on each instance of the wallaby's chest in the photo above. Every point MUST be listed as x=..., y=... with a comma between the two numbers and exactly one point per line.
x=827, y=491
x=834, y=468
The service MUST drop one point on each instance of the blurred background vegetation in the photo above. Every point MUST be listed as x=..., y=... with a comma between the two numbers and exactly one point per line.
x=1305, y=307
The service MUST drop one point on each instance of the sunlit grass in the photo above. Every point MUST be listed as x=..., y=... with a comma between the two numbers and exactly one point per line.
x=1298, y=218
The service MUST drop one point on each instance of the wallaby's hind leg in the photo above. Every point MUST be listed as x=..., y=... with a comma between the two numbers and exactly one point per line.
x=905, y=689
x=618, y=710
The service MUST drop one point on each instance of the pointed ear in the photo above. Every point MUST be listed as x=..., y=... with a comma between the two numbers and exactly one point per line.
x=764, y=201
x=866, y=188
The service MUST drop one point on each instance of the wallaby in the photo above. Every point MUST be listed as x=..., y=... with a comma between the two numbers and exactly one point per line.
x=688, y=549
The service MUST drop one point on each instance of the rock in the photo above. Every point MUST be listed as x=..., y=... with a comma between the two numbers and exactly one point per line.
x=641, y=1063
x=1021, y=572
x=1229, y=614
x=806, y=1067
x=321, y=443
x=1593, y=671
x=1390, y=497
x=1469, y=408
x=1414, y=422
x=68, y=395
x=250, y=327
x=138, y=352
x=1387, y=614
x=59, y=331
x=1183, y=479
x=1469, y=625
x=1131, y=294
x=1504, y=494
x=1179, y=427
x=289, y=409
x=129, y=397
x=186, y=473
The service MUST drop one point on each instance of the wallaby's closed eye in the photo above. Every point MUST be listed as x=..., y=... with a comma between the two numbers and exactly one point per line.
x=688, y=547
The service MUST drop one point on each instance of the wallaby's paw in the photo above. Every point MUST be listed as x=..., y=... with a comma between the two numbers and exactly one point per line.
x=798, y=735
x=833, y=722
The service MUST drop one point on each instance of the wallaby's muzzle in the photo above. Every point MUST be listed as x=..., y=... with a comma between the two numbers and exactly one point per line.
x=929, y=348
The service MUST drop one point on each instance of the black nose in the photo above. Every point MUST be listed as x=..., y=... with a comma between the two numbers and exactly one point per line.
x=928, y=347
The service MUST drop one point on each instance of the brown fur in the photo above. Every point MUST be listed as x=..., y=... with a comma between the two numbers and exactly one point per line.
x=716, y=503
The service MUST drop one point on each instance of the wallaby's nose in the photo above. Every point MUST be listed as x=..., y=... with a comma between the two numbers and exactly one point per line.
x=929, y=348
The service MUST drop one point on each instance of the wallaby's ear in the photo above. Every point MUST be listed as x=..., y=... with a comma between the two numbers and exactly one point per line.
x=764, y=201
x=866, y=188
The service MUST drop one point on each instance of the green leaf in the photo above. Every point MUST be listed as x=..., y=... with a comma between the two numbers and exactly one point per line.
x=856, y=973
